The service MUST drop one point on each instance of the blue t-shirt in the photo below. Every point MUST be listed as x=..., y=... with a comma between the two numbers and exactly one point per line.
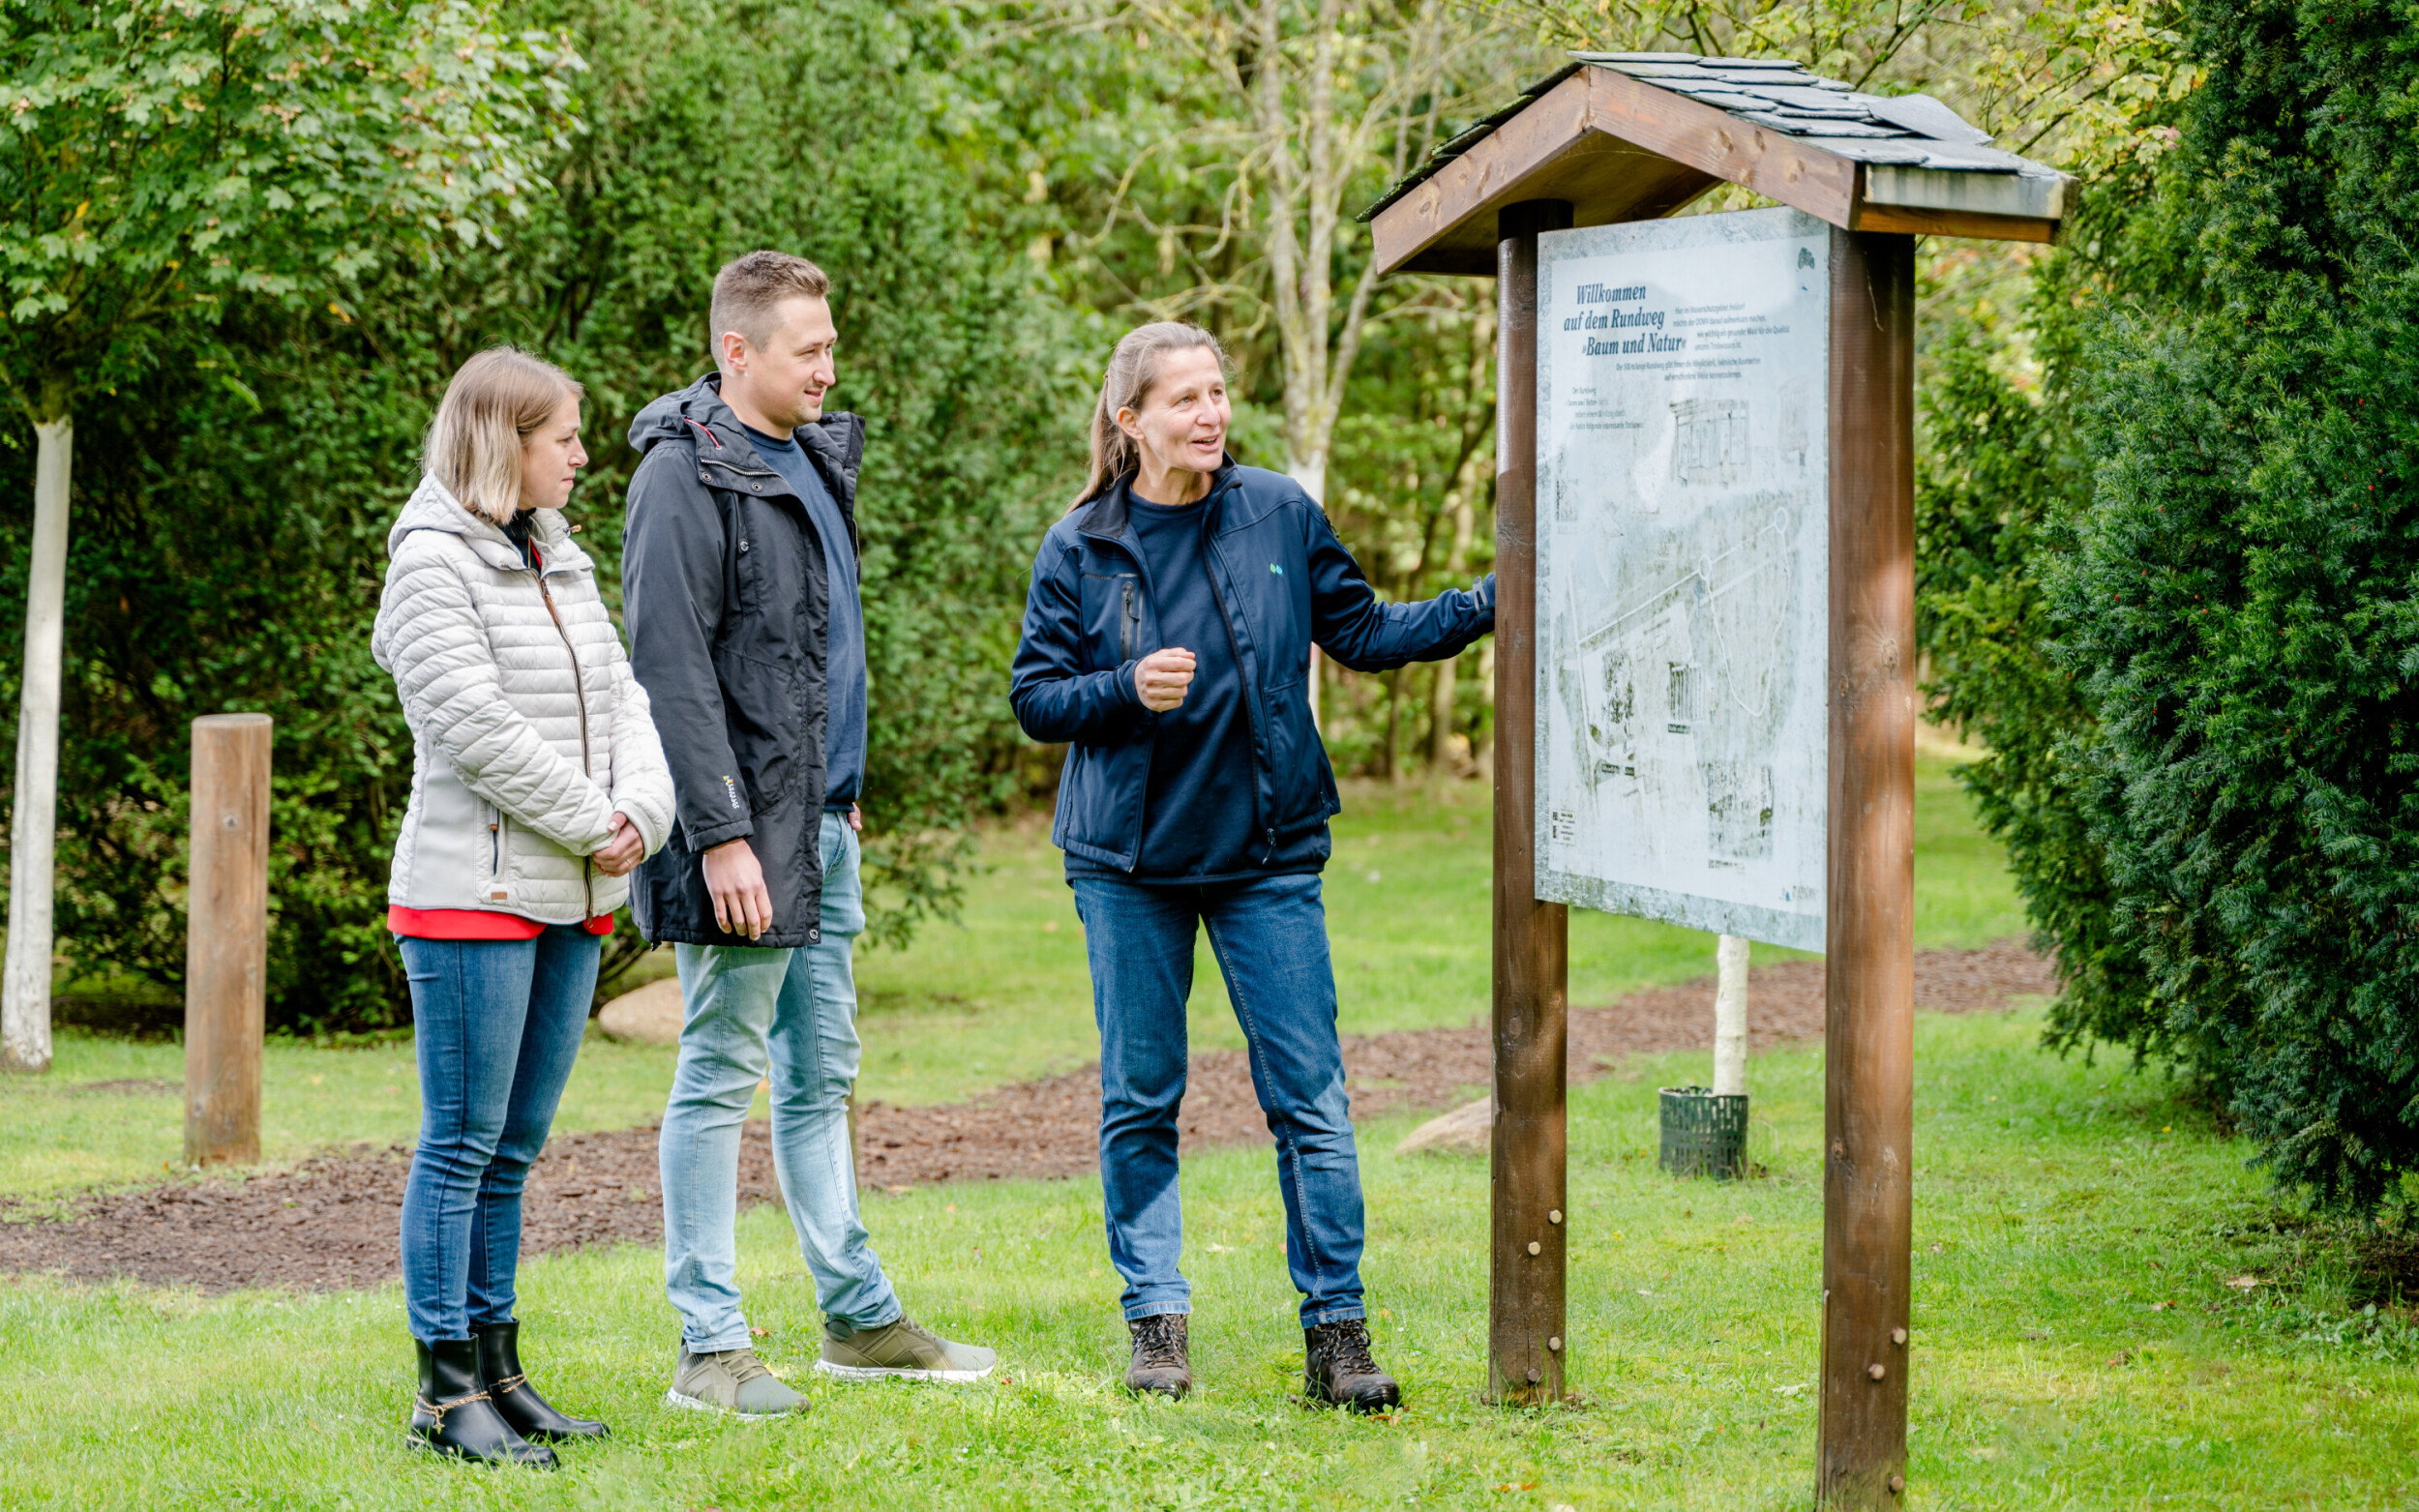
x=1199, y=816
x=844, y=752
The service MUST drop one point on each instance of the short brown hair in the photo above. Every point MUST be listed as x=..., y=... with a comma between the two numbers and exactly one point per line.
x=750, y=287
x=473, y=446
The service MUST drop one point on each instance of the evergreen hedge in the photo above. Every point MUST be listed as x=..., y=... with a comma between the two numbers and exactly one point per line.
x=2180, y=595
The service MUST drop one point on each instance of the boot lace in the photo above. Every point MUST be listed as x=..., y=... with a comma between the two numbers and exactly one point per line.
x=1347, y=1348
x=1160, y=1342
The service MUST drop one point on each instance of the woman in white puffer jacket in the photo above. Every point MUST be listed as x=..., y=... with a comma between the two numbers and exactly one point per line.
x=537, y=785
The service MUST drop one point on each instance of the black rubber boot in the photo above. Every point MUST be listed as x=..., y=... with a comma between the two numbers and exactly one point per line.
x=1337, y=1368
x=1162, y=1362
x=453, y=1414
x=531, y=1415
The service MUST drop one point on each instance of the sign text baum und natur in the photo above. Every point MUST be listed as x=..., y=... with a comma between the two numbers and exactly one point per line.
x=1648, y=322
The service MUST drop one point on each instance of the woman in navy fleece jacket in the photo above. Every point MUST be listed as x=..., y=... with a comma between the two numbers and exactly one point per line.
x=1167, y=639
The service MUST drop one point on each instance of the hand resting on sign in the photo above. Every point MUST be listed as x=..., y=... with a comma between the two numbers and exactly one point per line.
x=1161, y=678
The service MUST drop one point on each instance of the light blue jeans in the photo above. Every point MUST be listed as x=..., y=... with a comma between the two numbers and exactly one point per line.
x=749, y=1010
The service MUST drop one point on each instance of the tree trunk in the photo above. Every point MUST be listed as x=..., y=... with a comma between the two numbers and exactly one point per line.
x=25, y=992
x=1730, y=1018
x=1395, y=725
x=1312, y=475
x=1457, y=563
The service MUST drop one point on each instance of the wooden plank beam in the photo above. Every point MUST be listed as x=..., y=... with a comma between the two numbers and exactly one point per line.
x=1907, y=220
x=1549, y=151
x=1721, y=146
x=1869, y=1066
x=1526, y=1329
x=227, y=938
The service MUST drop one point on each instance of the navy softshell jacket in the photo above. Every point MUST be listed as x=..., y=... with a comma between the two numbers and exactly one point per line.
x=1285, y=582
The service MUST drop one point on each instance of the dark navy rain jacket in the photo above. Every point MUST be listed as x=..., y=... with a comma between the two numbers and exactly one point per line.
x=1285, y=582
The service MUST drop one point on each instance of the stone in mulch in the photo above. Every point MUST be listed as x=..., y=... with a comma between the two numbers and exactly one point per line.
x=330, y=1222
x=650, y=1015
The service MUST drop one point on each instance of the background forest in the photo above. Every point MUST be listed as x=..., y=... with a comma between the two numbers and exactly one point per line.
x=2164, y=581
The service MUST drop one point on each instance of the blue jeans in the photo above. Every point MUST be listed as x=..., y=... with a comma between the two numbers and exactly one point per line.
x=1271, y=938
x=748, y=1010
x=495, y=1023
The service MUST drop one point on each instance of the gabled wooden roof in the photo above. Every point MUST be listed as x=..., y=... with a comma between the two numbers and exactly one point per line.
x=1634, y=135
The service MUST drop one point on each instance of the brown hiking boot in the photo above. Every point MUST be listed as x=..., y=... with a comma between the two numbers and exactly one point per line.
x=1162, y=1362
x=1337, y=1368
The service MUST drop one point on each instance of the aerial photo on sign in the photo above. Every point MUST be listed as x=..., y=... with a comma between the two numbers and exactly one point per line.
x=1683, y=558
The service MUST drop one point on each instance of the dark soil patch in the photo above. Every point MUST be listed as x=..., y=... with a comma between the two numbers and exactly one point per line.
x=126, y=1086
x=330, y=1221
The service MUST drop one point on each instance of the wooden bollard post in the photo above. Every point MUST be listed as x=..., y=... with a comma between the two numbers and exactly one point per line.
x=227, y=938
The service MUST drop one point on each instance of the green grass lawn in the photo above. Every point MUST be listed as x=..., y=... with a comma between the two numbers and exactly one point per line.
x=999, y=997
x=2076, y=1342
x=2110, y=1308
x=1004, y=994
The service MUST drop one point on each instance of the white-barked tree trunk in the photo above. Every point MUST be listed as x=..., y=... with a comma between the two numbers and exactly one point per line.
x=33, y=820
x=1730, y=1019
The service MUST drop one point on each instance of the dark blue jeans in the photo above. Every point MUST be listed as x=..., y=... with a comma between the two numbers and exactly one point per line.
x=1271, y=938
x=495, y=1023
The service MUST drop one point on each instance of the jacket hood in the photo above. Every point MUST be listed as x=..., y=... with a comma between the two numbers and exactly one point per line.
x=699, y=415
x=433, y=506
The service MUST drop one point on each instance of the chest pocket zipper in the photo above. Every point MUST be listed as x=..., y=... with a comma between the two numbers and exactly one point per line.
x=1129, y=623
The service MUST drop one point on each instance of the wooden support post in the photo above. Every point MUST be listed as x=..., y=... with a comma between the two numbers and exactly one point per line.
x=227, y=938
x=1868, y=1071
x=1525, y=1323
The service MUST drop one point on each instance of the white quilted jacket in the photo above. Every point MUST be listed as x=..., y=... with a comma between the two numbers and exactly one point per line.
x=527, y=728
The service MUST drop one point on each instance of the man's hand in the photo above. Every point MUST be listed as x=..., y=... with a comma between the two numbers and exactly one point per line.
x=856, y=819
x=1161, y=678
x=737, y=880
x=627, y=848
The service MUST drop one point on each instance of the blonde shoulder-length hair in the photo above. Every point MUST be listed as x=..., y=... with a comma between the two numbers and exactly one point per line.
x=473, y=446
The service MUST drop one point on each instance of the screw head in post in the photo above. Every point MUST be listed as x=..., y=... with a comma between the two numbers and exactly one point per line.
x=1535, y=1247
x=1554, y=1217
x=1877, y=1370
x=1555, y=1343
x=1897, y=1336
x=1898, y=1484
x=1536, y=1375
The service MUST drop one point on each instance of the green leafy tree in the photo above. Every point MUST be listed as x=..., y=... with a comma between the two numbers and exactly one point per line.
x=233, y=505
x=167, y=154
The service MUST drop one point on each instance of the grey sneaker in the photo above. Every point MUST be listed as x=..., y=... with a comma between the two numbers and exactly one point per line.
x=900, y=1350
x=734, y=1382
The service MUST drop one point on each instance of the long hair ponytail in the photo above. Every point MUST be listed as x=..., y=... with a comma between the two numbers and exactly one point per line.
x=1132, y=369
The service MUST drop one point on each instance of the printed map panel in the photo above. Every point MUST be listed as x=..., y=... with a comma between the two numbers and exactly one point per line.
x=1683, y=571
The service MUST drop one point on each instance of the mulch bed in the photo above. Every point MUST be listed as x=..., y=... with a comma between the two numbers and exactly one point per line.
x=330, y=1221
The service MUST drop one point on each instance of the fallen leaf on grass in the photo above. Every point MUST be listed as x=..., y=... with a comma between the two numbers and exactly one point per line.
x=2244, y=1283
x=1526, y=1485
x=2160, y=1307
x=760, y=1333
x=1787, y=1391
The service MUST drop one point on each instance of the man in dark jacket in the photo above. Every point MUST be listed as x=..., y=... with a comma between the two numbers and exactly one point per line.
x=740, y=589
